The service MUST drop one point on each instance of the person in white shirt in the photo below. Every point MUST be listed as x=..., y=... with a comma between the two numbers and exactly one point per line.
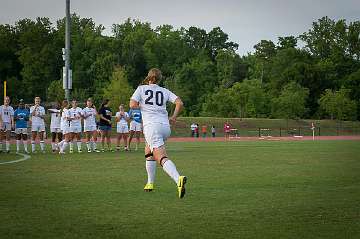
x=122, y=127
x=76, y=113
x=55, y=126
x=152, y=100
x=65, y=127
x=90, y=129
x=37, y=113
x=6, y=124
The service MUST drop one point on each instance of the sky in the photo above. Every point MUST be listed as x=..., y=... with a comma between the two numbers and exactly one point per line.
x=245, y=21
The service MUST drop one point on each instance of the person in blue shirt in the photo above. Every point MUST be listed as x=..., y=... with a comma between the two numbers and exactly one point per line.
x=135, y=126
x=21, y=117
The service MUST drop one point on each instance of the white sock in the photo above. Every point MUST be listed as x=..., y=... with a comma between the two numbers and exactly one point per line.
x=78, y=145
x=71, y=146
x=1, y=146
x=170, y=168
x=94, y=146
x=88, y=146
x=7, y=145
x=42, y=145
x=25, y=145
x=17, y=145
x=33, y=146
x=64, y=146
x=151, y=170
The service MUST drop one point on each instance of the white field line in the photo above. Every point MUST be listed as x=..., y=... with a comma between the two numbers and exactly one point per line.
x=24, y=157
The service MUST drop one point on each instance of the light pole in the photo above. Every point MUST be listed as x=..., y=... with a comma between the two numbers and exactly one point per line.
x=67, y=74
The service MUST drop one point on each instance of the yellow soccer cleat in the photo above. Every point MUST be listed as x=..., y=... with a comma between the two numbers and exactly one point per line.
x=149, y=187
x=181, y=186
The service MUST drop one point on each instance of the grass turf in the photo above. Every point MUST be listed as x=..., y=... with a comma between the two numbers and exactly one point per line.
x=268, y=189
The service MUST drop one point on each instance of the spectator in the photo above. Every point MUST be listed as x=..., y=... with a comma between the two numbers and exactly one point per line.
x=213, y=131
x=197, y=131
x=193, y=127
x=203, y=130
x=227, y=128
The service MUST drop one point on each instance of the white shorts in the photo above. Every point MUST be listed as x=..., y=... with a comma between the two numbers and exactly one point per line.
x=156, y=134
x=66, y=130
x=5, y=126
x=75, y=129
x=21, y=131
x=89, y=128
x=55, y=130
x=37, y=128
x=122, y=129
x=135, y=126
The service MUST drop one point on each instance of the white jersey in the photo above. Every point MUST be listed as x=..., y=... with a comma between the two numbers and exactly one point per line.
x=122, y=120
x=55, y=118
x=75, y=116
x=152, y=99
x=6, y=112
x=38, y=112
x=90, y=113
x=65, y=123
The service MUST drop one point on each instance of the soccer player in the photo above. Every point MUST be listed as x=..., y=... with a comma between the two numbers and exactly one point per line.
x=227, y=129
x=90, y=126
x=122, y=128
x=105, y=124
x=76, y=113
x=37, y=113
x=135, y=126
x=65, y=127
x=7, y=123
x=55, y=126
x=21, y=116
x=152, y=99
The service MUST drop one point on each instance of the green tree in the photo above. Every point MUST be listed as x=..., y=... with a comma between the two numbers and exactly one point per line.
x=118, y=91
x=338, y=104
x=291, y=102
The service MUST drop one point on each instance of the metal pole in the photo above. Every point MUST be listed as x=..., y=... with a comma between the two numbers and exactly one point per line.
x=67, y=51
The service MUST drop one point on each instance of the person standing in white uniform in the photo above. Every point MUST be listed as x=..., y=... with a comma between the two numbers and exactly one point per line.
x=152, y=100
x=65, y=127
x=76, y=113
x=55, y=126
x=37, y=113
x=6, y=123
x=122, y=128
x=90, y=129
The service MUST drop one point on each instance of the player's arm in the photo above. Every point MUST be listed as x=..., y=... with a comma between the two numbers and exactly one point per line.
x=33, y=110
x=179, y=105
x=134, y=104
x=12, y=119
x=117, y=117
x=42, y=113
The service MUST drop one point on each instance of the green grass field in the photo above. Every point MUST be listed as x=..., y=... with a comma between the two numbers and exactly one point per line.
x=267, y=189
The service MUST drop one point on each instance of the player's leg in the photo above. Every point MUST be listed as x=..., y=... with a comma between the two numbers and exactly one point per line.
x=41, y=136
x=7, y=137
x=118, y=138
x=137, y=135
x=33, y=139
x=53, y=140
x=132, y=132
x=18, y=140
x=103, y=132
x=65, y=142
x=1, y=138
x=88, y=140
x=78, y=140
x=71, y=141
x=94, y=141
x=150, y=165
x=24, y=140
x=125, y=137
x=108, y=139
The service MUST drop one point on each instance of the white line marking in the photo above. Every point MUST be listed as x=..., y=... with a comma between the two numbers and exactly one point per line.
x=25, y=157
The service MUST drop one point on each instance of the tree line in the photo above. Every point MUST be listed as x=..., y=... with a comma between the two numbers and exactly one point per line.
x=313, y=75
